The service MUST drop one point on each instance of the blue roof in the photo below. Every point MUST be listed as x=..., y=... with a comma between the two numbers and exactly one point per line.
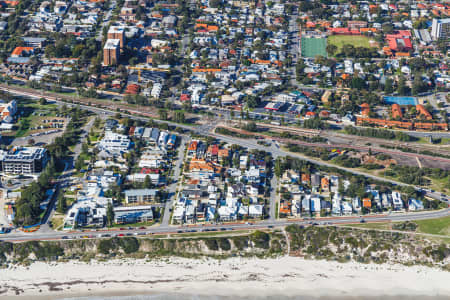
x=400, y=100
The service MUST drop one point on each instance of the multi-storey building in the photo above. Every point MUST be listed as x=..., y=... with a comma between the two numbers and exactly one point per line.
x=24, y=160
x=111, y=52
x=440, y=29
x=117, y=33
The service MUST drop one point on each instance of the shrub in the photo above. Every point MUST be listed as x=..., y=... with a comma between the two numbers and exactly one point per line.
x=129, y=244
x=224, y=244
x=260, y=239
x=240, y=242
x=212, y=244
x=104, y=246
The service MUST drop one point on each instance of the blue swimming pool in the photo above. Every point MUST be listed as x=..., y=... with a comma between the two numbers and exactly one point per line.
x=400, y=100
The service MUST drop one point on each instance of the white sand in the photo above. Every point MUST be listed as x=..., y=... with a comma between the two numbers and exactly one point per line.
x=287, y=276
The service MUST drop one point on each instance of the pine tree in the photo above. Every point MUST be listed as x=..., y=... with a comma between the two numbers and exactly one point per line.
x=110, y=214
x=62, y=203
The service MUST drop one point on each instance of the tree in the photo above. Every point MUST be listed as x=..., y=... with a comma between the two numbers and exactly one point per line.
x=331, y=49
x=42, y=101
x=163, y=114
x=179, y=117
x=278, y=169
x=62, y=203
x=401, y=88
x=110, y=214
x=148, y=182
x=79, y=163
x=85, y=148
x=388, y=86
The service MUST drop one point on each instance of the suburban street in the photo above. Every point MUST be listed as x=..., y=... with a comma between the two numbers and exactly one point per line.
x=172, y=188
x=250, y=144
x=273, y=197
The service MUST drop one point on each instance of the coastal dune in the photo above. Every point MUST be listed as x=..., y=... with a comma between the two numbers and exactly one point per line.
x=240, y=277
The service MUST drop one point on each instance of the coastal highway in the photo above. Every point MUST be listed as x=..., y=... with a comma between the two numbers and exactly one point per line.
x=394, y=217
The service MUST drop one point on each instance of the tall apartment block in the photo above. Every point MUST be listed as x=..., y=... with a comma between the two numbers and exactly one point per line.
x=440, y=29
x=111, y=52
x=117, y=32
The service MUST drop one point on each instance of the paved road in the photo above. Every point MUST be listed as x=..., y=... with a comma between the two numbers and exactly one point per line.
x=106, y=20
x=273, y=197
x=395, y=217
x=251, y=144
x=172, y=188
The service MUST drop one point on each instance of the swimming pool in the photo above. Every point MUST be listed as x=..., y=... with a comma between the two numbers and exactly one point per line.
x=400, y=100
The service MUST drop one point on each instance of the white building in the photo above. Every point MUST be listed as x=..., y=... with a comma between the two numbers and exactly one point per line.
x=397, y=201
x=156, y=90
x=440, y=28
x=114, y=143
x=415, y=204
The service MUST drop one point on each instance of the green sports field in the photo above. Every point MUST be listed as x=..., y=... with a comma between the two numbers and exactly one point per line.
x=354, y=40
x=311, y=47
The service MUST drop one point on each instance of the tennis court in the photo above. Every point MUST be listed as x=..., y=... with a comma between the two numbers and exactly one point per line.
x=311, y=47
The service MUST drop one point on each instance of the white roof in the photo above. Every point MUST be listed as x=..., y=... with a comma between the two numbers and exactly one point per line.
x=112, y=44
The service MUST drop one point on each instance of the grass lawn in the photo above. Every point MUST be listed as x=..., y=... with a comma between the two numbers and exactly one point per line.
x=381, y=226
x=134, y=224
x=212, y=234
x=440, y=184
x=58, y=222
x=442, y=141
x=341, y=40
x=439, y=226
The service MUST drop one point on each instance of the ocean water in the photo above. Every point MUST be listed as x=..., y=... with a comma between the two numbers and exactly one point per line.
x=197, y=297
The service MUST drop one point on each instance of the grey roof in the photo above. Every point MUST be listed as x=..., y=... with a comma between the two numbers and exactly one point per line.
x=18, y=60
x=141, y=192
x=155, y=134
x=147, y=132
x=33, y=39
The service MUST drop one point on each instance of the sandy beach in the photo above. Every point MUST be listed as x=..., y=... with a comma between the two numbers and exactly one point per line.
x=287, y=276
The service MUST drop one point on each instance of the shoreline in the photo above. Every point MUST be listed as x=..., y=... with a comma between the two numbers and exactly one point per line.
x=239, y=277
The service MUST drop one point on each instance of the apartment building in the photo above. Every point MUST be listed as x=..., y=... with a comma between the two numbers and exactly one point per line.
x=440, y=28
x=114, y=143
x=111, y=52
x=24, y=160
x=117, y=33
